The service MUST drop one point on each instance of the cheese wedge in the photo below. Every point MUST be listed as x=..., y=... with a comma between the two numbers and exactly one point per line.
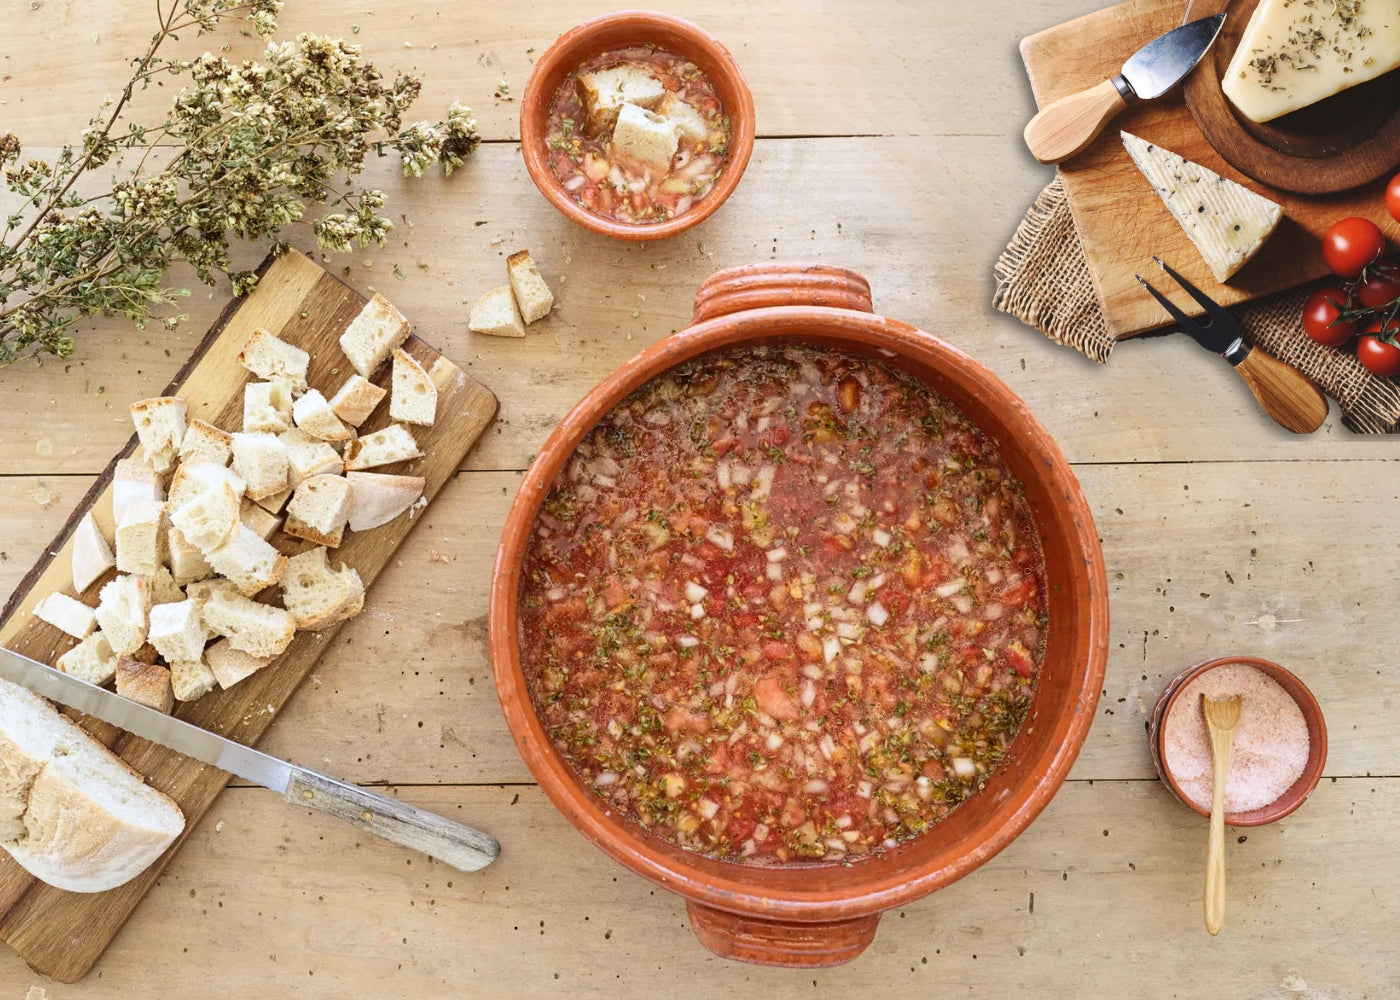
x=1227, y=222
x=1294, y=53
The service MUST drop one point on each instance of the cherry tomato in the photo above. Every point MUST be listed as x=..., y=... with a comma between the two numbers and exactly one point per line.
x=1376, y=355
x=1382, y=285
x=1321, y=319
x=1348, y=246
x=1392, y=197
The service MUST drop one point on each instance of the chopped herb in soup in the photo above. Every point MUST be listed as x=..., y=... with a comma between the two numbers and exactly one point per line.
x=783, y=605
x=637, y=135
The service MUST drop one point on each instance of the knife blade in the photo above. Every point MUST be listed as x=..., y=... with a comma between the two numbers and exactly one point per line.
x=462, y=847
x=1064, y=128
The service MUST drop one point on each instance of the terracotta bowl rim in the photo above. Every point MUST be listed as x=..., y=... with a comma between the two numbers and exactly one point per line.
x=578, y=44
x=883, y=888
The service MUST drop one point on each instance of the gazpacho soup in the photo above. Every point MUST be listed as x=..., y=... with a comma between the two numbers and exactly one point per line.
x=637, y=135
x=783, y=604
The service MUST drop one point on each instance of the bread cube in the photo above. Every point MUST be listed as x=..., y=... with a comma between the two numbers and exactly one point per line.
x=689, y=122
x=147, y=683
x=319, y=509
x=267, y=407
x=256, y=629
x=177, y=631
x=377, y=330
x=92, y=556
x=496, y=314
x=164, y=589
x=191, y=679
x=273, y=504
x=603, y=92
x=122, y=613
x=203, y=591
x=229, y=665
x=415, y=397
x=187, y=562
x=134, y=479
x=203, y=442
x=379, y=497
x=308, y=456
x=192, y=480
x=259, y=520
x=261, y=461
x=532, y=295
x=141, y=538
x=354, y=401
x=91, y=660
x=160, y=427
x=318, y=596
x=314, y=415
x=392, y=444
x=275, y=360
x=247, y=560
x=69, y=615
x=645, y=136
x=209, y=519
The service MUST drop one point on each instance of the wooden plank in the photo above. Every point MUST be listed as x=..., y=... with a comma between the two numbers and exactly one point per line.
x=63, y=933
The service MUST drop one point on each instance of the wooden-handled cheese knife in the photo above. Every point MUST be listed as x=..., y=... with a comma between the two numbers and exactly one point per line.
x=1065, y=127
x=452, y=843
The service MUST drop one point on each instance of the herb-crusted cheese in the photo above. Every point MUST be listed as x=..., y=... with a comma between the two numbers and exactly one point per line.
x=1294, y=53
x=1227, y=222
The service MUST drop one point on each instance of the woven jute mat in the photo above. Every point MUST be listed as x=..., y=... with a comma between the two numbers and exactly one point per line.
x=1043, y=280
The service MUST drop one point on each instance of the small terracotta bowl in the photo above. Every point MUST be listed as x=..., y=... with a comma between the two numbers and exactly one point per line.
x=1298, y=792
x=619, y=30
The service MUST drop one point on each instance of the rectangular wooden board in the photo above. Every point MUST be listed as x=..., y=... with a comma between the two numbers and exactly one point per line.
x=61, y=934
x=1121, y=220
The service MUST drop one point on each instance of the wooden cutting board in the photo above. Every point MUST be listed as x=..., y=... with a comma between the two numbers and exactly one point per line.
x=61, y=934
x=1121, y=220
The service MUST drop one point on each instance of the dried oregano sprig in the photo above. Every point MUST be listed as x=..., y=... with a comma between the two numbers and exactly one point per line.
x=243, y=152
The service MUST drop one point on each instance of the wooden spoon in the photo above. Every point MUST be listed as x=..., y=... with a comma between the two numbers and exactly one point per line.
x=1221, y=718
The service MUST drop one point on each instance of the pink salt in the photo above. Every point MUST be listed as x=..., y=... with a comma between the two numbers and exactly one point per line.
x=1271, y=742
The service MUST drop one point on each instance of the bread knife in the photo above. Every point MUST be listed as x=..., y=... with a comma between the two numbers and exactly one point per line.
x=462, y=847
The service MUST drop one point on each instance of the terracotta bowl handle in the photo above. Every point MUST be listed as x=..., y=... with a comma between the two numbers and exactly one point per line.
x=785, y=943
x=755, y=286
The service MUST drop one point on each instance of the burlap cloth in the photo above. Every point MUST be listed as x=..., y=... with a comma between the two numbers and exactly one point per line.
x=1043, y=280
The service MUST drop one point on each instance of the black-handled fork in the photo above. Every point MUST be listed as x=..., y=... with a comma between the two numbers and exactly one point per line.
x=1286, y=394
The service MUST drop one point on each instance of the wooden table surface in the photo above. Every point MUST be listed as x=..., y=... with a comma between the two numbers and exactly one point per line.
x=890, y=143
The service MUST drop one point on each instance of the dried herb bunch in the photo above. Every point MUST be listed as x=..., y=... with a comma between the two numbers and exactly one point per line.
x=243, y=152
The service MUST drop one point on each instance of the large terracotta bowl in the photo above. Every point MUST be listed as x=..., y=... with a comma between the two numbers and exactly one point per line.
x=619, y=30
x=824, y=914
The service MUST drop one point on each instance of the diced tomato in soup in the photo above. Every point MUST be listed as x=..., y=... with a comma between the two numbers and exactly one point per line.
x=783, y=652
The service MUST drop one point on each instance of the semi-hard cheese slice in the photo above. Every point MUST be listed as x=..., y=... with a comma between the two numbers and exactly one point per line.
x=1294, y=53
x=1227, y=222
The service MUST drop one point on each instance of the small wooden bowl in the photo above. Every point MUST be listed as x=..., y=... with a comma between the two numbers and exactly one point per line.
x=1298, y=792
x=620, y=30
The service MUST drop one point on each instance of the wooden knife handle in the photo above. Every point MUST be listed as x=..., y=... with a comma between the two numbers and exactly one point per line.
x=452, y=843
x=1285, y=393
x=1065, y=127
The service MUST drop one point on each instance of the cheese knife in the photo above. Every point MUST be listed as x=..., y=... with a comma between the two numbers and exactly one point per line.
x=452, y=843
x=1066, y=127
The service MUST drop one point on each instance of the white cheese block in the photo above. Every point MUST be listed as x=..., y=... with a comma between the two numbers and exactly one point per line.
x=1295, y=53
x=1227, y=222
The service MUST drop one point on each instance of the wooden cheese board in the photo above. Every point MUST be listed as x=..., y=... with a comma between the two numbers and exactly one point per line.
x=62, y=934
x=1120, y=220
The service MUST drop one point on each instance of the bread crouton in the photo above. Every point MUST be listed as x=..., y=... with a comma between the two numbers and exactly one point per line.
x=160, y=427
x=177, y=631
x=532, y=296
x=603, y=91
x=645, y=136
x=248, y=561
x=272, y=359
x=134, y=479
x=209, y=519
x=147, y=683
x=308, y=456
x=318, y=596
x=314, y=415
x=260, y=460
x=92, y=556
x=187, y=562
x=191, y=679
x=379, y=497
x=122, y=613
x=259, y=520
x=274, y=503
x=392, y=444
x=141, y=538
x=377, y=330
x=164, y=589
x=91, y=660
x=203, y=442
x=69, y=615
x=267, y=407
x=319, y=509
x=415, y=397
x=496, y=314
x=354, y=401
x=256, y=629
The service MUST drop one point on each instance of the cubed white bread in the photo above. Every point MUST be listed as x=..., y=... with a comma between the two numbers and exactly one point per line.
x=319, y=509
x=164, y=589
x=689, y=122
x=208, y=520
x=308, y=456
x=604, y=91
x=496, y=314
x=203, y=591
x=532, y=296
x=259, y=520
x=314, y=415
x=91, y=660
x=147, y=683
x=177, y=630
x=229, y=665
x=394, y=443
x=646, y=137
x=379, y=497
x=274, y=503
x=318, y=596
x=191, y=480
x=134, y=479
x=256, y=629
x=187, y=562
x=123, y=612
x=92, y=556
x=261, y=461
x=160, y=427
x=67, y=614
x=248, y=561
x=267, y=407
x=203, y=442
x=415, y=397
x=377, y=330
x=272, y=359
x=191, y=679
x=141, y=538
x=354, y=401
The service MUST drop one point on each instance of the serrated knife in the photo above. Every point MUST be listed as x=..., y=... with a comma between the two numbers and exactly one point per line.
x=462, y=847
x=1065, y=127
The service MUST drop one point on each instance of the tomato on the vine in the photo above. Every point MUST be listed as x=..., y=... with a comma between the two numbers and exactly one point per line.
x=1392, y=197
x=1382, y=284
x=1322, y=318
x=1351, y=244
x=1377, y=356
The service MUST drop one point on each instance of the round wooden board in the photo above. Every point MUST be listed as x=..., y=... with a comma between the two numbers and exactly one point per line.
x=1346, y=141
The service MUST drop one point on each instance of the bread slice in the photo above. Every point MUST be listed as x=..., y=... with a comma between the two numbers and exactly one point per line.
x=191, y=679
x=314, y=415
x=415, y=397
x=229, y=665
x=187, y=562
x=147, y=683
x=532, y=296
x=377, y=330
x=92, y=556
x=134, y=479
x=123, y=613
x=160, y=427
x=209, y=519
x=318, y=596
x=261, y=461
x=394, y=443
x=247, y=560
x=267, y=407
x=69, y=615
x=203, y=442
x=308, y=456
x=689, y=122
x=319, y=509
x=379, y=497
x=91, y=660
x=275, y=360
x=646, y=137
x=256, y=629
x=259, y=520
x=495, y=313
x=603, y=91
x=141, y=538
x=71, y=813
x=354, y=401
x=177, y=630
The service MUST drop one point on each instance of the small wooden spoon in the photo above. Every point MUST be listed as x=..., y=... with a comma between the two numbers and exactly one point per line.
x=1221, y=718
